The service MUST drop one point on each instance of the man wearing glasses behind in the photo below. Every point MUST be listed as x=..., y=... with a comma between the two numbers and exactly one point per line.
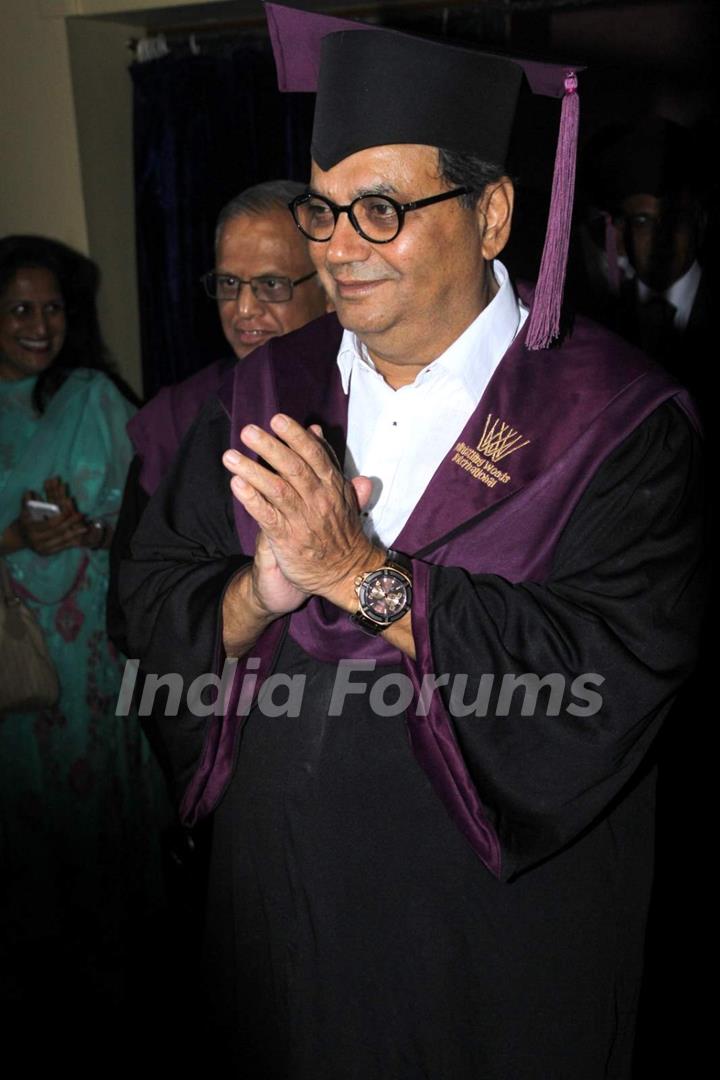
x=264, y=281
x=265, y=286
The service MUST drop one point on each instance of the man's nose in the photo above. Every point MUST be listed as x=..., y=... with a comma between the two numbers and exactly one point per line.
x=247, y=304
x=346, y=244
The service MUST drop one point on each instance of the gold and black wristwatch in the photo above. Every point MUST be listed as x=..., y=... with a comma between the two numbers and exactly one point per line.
x=384, y=595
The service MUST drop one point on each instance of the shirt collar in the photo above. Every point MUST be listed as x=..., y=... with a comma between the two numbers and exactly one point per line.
x=480, y=347
x=681, y=294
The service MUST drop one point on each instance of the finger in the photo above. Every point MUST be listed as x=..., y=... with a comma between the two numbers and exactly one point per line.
x=55, y=544
x=318, y=431
x=51, y=545
x=67, y=516
x=282, y=458
x=53, y=491
x=257, y=506
x=273, y=487
x=69, y=530
x=57, y=491
x=70, y=540
x=309, y=445
x=362, y=486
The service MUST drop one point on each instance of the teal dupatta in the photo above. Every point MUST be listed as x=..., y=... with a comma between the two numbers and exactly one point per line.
x=80, y=437
x=81, y=798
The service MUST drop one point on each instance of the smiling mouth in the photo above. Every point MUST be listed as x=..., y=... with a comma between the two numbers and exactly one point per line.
x=348, y=289
x=253, y=335
x=35, y=346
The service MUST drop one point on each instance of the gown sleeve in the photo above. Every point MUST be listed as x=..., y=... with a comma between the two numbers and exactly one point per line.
x=184, y=552
x=612, y=632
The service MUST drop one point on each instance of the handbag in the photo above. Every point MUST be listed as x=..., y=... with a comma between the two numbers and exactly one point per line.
x=28, y=679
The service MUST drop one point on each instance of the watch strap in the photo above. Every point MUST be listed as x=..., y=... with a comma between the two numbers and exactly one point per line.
x=368, y=625
x=402, y=562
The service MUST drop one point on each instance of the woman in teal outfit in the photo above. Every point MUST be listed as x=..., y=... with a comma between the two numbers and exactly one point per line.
x=80, y=795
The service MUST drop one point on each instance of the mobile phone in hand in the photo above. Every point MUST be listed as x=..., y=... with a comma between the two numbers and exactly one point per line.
x=41, y=511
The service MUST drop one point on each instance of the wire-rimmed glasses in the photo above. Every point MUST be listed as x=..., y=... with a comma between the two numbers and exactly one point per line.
x=268, y=288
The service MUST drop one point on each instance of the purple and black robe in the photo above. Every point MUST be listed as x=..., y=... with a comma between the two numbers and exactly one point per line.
x=156, y=432
x=449, y=893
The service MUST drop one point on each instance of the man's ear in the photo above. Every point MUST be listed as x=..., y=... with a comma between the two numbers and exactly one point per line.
x=495, y=211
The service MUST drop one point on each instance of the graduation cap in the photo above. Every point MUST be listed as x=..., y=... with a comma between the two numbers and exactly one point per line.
x=650, y=156
x=377, y=87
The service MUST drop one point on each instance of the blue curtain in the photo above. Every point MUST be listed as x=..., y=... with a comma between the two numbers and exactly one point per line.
x=205, y=127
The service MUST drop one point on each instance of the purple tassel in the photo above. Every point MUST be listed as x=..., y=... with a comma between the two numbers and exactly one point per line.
x=544, y=322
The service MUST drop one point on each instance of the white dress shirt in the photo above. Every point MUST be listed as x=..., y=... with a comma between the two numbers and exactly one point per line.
x=399, y=437
x=681, y=294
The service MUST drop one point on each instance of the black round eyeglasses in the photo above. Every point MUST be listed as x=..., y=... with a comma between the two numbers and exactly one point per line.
x=377, y=218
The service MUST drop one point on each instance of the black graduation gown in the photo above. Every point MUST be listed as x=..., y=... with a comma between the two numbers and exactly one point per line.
x=352, y=931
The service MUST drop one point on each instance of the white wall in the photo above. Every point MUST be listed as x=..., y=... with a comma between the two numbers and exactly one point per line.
x=40, y=185
x=102, y=93
x=66, y=141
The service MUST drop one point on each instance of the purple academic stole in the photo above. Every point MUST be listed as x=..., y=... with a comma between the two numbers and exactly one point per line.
x=546, y=422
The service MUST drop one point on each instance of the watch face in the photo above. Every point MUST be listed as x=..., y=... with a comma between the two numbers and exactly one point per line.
x=384, y=596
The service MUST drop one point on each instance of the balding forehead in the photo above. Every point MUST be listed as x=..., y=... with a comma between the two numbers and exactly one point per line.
x=277, y=221
x=249, y=245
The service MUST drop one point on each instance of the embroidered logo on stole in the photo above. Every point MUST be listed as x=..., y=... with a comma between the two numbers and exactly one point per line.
x=498, y=441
